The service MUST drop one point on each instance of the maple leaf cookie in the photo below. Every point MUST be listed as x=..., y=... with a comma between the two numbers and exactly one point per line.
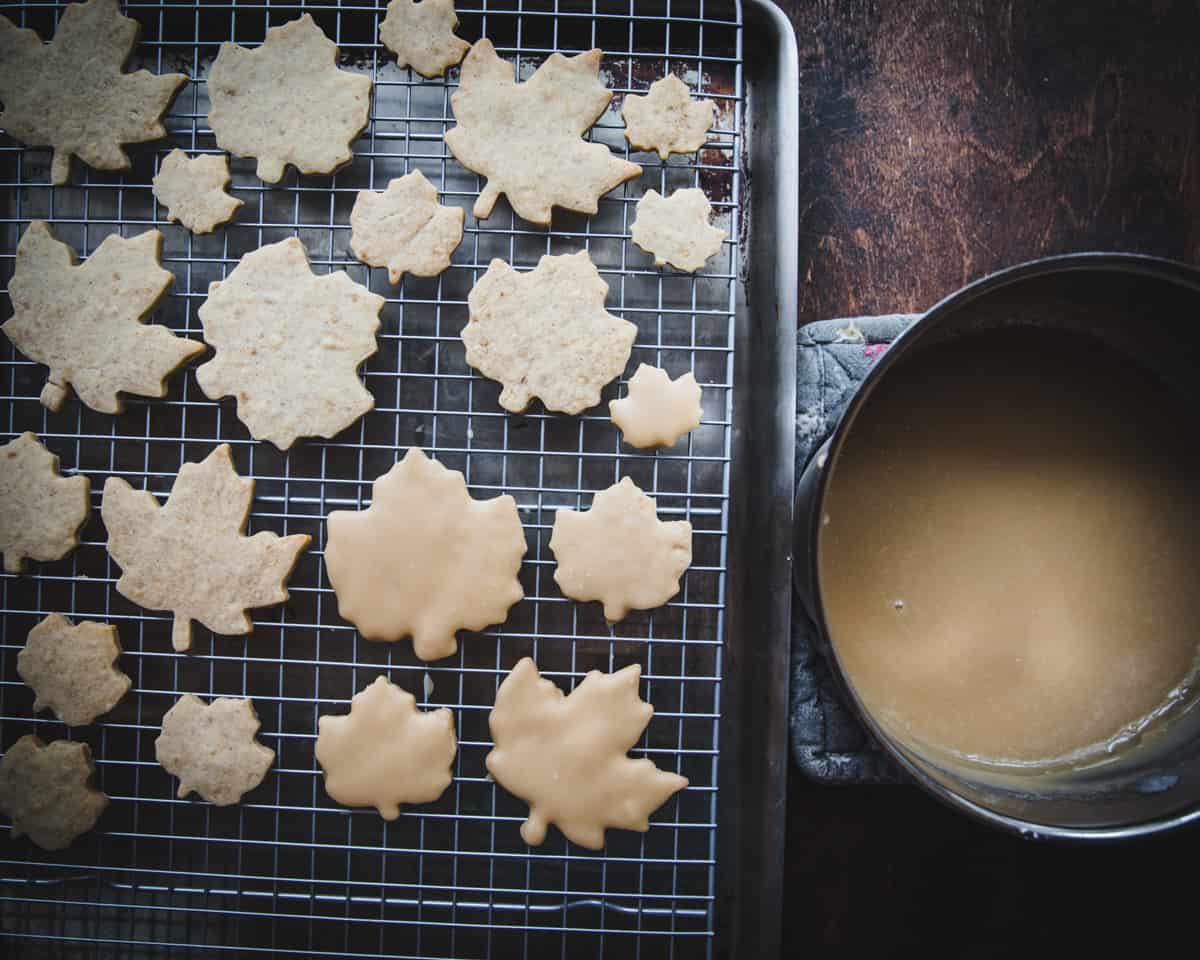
x=657, y=411
x=212, y=748
x=667, y=119
x=41, y=512
x=386, y=752
x=72, y=669
x=287, y=102
x=566, y=756
x=421, y=35
x=404, y=228
x=676, y=229
x=47, y=791
x=86, y=321
x=193, y=190
x=73, y=95
x=619, y=552
x=425, y=559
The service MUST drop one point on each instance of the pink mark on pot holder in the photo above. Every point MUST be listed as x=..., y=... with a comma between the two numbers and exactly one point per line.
x=873, y=351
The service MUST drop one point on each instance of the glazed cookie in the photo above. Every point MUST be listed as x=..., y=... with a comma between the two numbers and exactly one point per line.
x=73, y=669
x=676, y=229
x=657, y=410
x=667, y=119
x=404, y=228
x=47, y=791
x=40, y=512
x=193, y=190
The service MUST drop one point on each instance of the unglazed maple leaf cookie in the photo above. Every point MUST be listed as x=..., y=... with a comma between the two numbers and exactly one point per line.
x=657, y=411
x=40, y=511
x=566, y=755
x=421, y=35
x=676, y=229
x=546, y=333
x=212, y=748
x=46, y=790
x=386, y=752
x=404, y=228
x=619, y=552
x=193, y=190
x=72, y=94
x=289, y=344
x=72, y=669
x=191, y=556
x=287, y=102
x=667, y=119
x=85, y=321
x=527, y=138
x=425, y=559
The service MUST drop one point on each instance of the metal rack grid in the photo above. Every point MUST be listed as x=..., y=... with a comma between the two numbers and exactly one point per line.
x=288, y=870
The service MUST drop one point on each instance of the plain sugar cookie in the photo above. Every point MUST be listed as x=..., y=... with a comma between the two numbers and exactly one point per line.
x=676, y=230
x=41, y=512
x=667, y=119
x=421, y=35
x=47, y=791
x=657, y=410
x=193, y=190
x=73, y=669
x=404, y=228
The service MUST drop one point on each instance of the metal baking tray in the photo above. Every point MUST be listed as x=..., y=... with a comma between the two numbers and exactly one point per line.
x=287, y=871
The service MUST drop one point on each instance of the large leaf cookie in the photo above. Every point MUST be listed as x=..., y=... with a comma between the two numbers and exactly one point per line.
x=289, y=344
x=421, y=35
x=566, y=755
x=72, y=669
x=287, y=101
x=425, y=559
x=40, y=511
x=85, y=321
x=404, y=228
x=386, y=752
x=47, y=791
x=527, y=138
x=546, y=333
x=72, y=94
x=191, y=556
x=212, y=748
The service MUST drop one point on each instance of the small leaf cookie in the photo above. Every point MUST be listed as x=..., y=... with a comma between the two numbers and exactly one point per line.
x=566, y=755
x=191, y=556
x=404, y=228
x=425, y=559
x=289, y=344
x=72, y=94
x=667, y=119
x=527, y=138
x=657, y=411
x=546, y=333
x=193, y=190
x=619, y=552
x=47, y=792
x=41, y=512
x=212, y=748
x=676, y=229
x=421, y=35
x=72, y=669
x=86, y=321
x=287, y=102
x=386, y=752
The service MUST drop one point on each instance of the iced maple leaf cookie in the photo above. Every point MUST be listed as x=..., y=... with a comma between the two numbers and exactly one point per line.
x=676, y=229
x=425, y=559
x=619, y=552
x=86, y=321
x=421, y=35
x=193, y=190
x=47, y=792
x=657, y=411
x=546, y=333
x=566, y=756
x=289, y=344
x=386, y=752
x=212, y=748
x=40, y=511
x=72, y=669
x=73, y=95
x=404, y=228
x=191, y=556
x=287, y=102
x=667, y=119
x=527, y=138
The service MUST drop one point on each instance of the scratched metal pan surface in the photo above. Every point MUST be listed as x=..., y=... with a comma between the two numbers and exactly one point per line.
x=288, y=871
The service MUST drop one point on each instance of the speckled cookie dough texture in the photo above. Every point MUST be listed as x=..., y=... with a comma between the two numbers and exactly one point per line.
x=546, y=333
x=676, y=229
x=193, y=190
x=667, y=119
x=619, y=552
x=288, y=345
x=287, y=102
x=40, y=511
x=47, y=792
x=212, y=748
x=527, y=138
x=73, y=669
x=657, y=410
x=404, y=228
x=425, y=559
x=421, y=35
x=73, y=95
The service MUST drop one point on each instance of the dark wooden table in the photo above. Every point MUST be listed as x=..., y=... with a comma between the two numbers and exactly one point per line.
x=942, y=140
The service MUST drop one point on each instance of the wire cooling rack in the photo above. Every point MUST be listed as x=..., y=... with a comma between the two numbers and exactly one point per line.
x=288, y=870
